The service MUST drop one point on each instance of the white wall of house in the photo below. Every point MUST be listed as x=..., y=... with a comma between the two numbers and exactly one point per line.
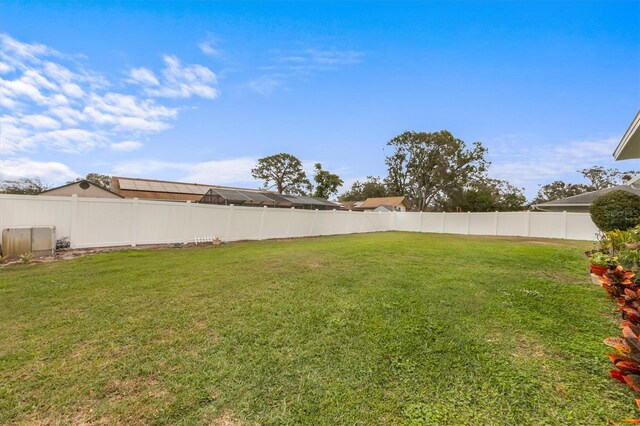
x=100, y=222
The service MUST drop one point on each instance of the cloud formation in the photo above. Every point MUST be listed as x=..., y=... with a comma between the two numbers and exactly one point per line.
x=530, y=164
x=177, y=81
x=45, y=170
x=50, y=101
x=235, y=171
x=286, y=65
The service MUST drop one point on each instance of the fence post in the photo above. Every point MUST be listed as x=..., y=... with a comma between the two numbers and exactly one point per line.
x=564, y=225
x=227, y=231
x=421, y=220
x=73, y=221
x=528, y=230
x=443, y=221
x=261, y=222
x=496, y=220
x=468, y=222
x=187, y=222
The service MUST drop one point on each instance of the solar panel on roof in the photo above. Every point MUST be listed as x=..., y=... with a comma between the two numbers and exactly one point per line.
x=142, y=185
x=126, y=184
x=152, y=186
x=170, y=187
x=195, y=189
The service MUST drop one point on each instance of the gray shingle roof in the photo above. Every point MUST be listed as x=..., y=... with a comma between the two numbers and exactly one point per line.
x=587, y=198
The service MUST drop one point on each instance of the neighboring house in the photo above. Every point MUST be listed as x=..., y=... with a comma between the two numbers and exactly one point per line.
x=162, y=190
x=629, y=146
x=350, y=205
x=390, y=204
x=83, y=188
x=582, y=203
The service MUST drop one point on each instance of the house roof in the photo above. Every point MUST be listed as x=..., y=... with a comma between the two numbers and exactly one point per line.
x=77, y=183
x=349, y=205
x=213, y=194
x=629, y=146
x=372, y=203
x=587, y=198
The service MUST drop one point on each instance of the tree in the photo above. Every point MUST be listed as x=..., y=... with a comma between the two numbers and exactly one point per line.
x=426, y=165
x=598, y=177
x=103, y=181
x=327, y=183
x=373, y=187
x=284, y=172
x=602, y=178
x=559, y=189
x=24, y=186
x=485, y=195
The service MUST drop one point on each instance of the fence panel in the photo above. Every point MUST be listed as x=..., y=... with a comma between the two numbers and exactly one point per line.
x=456, y=223
x=483, y=224
x=20, y=210
x=513, y=224
x=95, y=222
x=547, y=225
x=275, y=223
x=580, y=227
x=205, y=221
x=102, y=222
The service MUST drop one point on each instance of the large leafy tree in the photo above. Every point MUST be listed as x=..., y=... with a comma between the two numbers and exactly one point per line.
x=559, y=189
x=425, y=166
x=103, y=181
x=327, y=183
x=485, y=195
x=601, y=178
x=24, y=186
x=597, y=177
x=283, y=172
x=373, y=187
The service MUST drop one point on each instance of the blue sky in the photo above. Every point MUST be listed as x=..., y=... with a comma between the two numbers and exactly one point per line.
x=198, y=91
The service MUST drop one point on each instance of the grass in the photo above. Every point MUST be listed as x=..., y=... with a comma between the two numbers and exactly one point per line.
x=392, y=328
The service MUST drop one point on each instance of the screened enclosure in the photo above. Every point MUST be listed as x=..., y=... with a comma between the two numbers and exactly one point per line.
x=240, y=197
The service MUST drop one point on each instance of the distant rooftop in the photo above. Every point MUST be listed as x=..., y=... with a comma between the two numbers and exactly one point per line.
x=588, y=197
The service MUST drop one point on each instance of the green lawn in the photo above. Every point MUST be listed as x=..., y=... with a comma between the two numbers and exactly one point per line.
x=391, y=328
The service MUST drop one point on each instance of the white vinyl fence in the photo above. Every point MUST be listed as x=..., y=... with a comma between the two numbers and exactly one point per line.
x=99, y=222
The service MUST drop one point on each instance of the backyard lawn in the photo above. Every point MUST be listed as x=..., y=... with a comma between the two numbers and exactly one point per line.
x=390, y=328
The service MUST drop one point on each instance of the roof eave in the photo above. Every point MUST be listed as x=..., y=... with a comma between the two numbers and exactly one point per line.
x=624, y=149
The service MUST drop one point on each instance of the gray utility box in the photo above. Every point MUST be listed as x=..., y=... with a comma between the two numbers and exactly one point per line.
x=39, y=240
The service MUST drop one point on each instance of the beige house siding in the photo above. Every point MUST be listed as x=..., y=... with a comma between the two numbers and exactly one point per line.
x=93, y=191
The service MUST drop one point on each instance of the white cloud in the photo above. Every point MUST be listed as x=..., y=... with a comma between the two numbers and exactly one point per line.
x=177, y=81
x=287, y=65
x=266, y=84
x=52, y=103
x=222, y=172
x=144, y=76
x=218, y=172
x=39, y=122
x=47, y=171
x=125, y=146
x=531, y=164
x=208, y=47
x=72, y=141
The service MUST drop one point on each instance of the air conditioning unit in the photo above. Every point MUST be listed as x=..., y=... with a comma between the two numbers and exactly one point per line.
x=39, y=240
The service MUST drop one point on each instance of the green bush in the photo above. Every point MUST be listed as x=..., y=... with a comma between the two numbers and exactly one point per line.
x=616, y=210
